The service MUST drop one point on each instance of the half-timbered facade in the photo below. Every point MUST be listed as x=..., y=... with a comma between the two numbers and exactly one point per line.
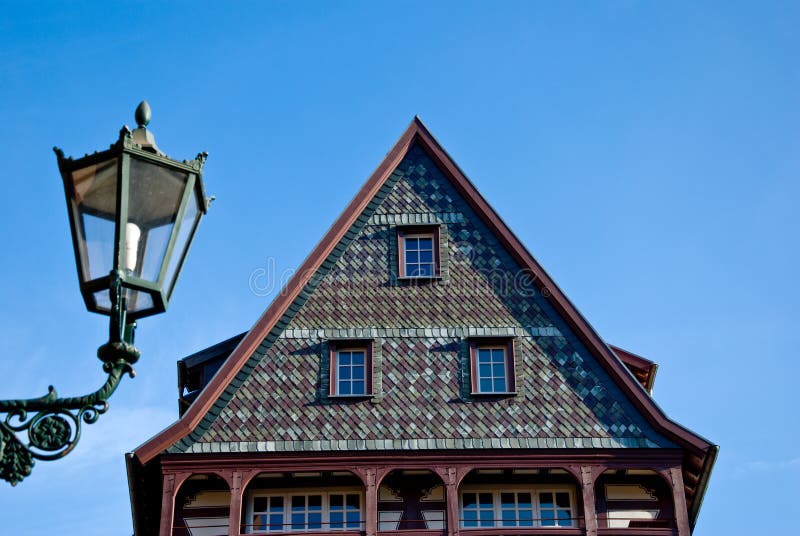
x=421, y=374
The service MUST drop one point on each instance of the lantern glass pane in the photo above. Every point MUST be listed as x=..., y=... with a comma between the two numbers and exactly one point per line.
x=93, y=200
x=191, y=217
x=153, y=202
x=135, y=300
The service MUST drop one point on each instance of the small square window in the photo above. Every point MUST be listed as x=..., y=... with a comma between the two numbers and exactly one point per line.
x=492, y=366
x=351, y=368
x=418, y=252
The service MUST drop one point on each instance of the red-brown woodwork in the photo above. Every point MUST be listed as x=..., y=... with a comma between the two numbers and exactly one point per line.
x=675, y=478
x=171, y=484
x=588, y=475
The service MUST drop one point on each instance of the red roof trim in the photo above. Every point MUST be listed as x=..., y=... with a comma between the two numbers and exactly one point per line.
x=638, y=365
x=419, y=133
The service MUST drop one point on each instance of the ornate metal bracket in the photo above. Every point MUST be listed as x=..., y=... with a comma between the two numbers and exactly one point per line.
x=52, y=424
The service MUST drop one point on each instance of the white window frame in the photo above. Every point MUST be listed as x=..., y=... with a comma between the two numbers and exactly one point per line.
x=366, y=366
x=506, y=346
x=417, y=232
x=496, y=492
x=287, y=493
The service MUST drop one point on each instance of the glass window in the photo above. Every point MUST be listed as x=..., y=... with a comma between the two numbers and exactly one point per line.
x=351, y=372
x=478, y=510
x=554, y=509
x=491, y=370
x=419, y=252
x=345, y=511
x=267, y=514
x=307, y=512
x=419, y=256
x=516, y=508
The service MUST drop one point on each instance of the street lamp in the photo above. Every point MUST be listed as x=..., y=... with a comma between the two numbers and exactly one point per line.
x=133, y=213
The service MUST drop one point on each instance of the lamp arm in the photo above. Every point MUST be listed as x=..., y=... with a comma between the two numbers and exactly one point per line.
x=54, y=428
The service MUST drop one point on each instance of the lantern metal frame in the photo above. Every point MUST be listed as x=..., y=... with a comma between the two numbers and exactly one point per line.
x=53, y=424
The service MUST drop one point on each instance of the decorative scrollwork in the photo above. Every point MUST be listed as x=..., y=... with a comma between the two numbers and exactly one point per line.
x=54, y=430
x=50, y=432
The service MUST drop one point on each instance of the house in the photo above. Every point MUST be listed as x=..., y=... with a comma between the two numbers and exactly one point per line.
x=421, y=374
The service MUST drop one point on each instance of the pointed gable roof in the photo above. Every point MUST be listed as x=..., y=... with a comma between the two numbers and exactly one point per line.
x=235, y=369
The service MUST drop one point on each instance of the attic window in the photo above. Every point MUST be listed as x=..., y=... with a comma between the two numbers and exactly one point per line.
x=492, y=366
x=418, y=252
x=351, y=368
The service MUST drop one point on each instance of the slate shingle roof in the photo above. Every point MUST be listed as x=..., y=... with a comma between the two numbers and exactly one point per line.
x=278, y=402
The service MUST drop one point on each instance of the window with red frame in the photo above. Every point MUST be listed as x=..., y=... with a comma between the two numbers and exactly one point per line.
x=351, y=368
x=418, y=252
x=492, y=366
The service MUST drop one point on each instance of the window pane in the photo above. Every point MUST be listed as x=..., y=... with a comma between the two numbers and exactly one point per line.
x=470, y=518
x=315, y=502
x=425, y=243
x=524, y=500
x=298, y=521
x=486, y=385
x=526, y=518
x=562, y=499
x=337, y=520
x=426, y=256
x=548, y=518
x=260, y=522
x=412, y=257
x=354, y=501
x=344, y=373
x=484, y=355
x=358, y=373
x=412, y=243
x=498, y=356
x=276, y=504
x=358, y=358
x=486, y=500
x=337, y=501
x=509, y=518
x=546, y=500
x=485, y=371
x=344, y=358
x=507, y=500
x=276, y=522
x=358, y=388
x=344, y=388
x=564, y=518
x=298, y=502
x=470, y=500
x=260, y=504
x=426, y=270
x=487, y=518
x=499, y=385
x=315, y=520
x=353, y=519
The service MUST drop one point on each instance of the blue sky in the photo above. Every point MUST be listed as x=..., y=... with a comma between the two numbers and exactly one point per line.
x=647, y=153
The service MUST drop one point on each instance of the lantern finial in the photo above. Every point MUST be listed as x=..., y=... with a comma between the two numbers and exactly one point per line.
x=141, y=136
x=143, y=114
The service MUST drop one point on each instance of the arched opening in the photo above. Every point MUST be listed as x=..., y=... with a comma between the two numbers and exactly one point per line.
x=517, y=498
x=202, y=507
x=412, y=500
x=309, y=501
x=634, y=498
